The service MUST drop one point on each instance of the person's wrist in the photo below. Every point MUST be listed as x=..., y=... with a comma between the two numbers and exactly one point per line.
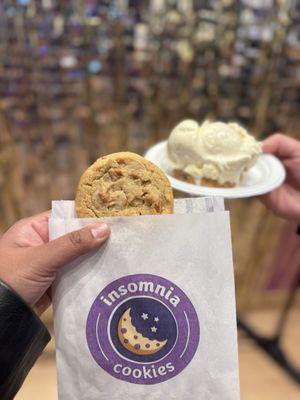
x=14, y=293
x=23, y=337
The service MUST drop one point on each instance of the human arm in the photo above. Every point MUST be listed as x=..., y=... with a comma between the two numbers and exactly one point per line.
x=28, y=266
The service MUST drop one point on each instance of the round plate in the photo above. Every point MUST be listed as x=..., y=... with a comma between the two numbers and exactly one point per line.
x=266, y=175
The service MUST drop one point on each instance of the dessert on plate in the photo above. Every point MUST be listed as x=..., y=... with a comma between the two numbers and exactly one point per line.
x=211, y=154
x=123, y=184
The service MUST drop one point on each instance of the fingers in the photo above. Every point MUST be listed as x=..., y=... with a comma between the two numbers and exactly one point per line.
x=34, y=230
x=41, y=227
x=269, y=200
x=40, y=224
x=284, y=202
x=281, y=146
x=55, y=254
x=273, y=201
x=43, y=216
x=37, y=218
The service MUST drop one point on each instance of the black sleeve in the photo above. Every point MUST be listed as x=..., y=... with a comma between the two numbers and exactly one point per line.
x=23, y=337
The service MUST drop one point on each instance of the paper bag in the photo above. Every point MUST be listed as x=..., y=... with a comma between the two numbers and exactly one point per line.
x=150, y=314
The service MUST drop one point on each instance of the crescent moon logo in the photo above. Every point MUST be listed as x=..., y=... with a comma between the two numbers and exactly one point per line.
x=142, y=329
x=134, y=341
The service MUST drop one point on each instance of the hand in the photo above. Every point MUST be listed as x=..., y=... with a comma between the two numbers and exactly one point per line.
x=285, y=201
x=29, y=262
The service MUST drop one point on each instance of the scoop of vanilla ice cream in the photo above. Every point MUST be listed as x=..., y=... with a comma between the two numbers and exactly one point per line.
x=213, y=150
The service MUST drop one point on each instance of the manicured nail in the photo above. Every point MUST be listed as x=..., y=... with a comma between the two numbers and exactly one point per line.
x=100, y=231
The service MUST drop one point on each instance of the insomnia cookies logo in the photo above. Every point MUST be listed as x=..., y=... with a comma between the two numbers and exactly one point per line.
x=142, y=329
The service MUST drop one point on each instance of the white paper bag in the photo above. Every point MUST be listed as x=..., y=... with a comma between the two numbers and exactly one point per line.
x=151, y=314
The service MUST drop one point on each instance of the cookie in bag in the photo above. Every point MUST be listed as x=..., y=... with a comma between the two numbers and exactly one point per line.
x=123, y=184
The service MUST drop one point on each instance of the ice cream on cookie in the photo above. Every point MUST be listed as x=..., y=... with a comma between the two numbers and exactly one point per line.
x=213, y=153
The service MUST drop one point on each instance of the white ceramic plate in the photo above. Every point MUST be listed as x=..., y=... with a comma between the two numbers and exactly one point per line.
x=266, y=175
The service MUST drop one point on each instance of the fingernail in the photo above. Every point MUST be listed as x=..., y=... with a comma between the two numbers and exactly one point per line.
x=99, y=231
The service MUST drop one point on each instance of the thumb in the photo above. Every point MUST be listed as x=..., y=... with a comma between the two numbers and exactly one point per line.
x=55, y=254
x=280, y=145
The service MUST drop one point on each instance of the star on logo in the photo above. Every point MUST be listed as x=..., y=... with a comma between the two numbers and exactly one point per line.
x=156, y=319
x=153, y=328
x=144, y=316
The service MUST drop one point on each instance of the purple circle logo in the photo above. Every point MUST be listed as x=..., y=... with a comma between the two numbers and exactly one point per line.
x=142, y=329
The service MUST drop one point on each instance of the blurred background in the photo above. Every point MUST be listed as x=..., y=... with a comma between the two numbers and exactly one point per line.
x=83, y=78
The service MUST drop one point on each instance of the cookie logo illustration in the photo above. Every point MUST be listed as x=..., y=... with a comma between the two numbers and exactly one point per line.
x=133, y=340
x=142, y=329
